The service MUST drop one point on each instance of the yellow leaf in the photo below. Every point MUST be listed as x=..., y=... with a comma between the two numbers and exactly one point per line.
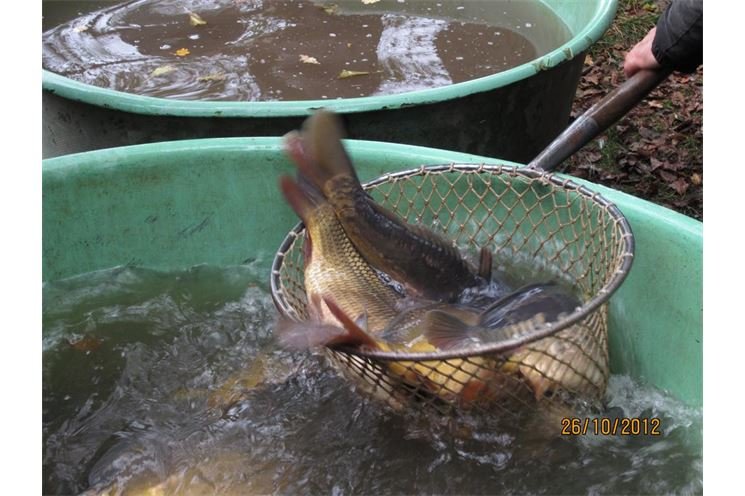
x=347, y=74
x=588, y=60
x=307, y=59
x=368, y=2
x=218, y=76
x=80, y=29
x=182, y=52
x=330, y=8
x=162, y=70
x=196, y=20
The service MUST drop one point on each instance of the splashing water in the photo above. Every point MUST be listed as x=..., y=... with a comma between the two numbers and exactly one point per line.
x=168, y=381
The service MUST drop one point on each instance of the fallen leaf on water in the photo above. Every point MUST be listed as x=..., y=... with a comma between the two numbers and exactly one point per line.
x=182, y=52
x=368, y=2
x=330, y=8
x=80, y=29
x=218, y=76
x=162, y=70
x=307, y=59
x=347, y=74
x=196, y=20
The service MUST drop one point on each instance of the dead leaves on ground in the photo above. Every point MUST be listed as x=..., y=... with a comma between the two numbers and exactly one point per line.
x=656, y=151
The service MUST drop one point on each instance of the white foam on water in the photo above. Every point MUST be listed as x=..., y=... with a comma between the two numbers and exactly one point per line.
x=408, y=56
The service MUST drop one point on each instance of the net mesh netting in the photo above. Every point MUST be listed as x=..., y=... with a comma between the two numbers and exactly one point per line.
x=526, y=218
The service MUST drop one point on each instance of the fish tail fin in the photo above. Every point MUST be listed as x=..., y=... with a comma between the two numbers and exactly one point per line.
x=355, y=334
x=322, y=141
x=444, y=330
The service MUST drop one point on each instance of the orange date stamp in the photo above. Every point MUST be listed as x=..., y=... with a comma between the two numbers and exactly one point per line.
x=605, y=426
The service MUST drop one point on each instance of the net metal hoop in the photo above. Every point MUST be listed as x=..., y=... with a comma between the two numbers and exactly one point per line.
x=591, y=305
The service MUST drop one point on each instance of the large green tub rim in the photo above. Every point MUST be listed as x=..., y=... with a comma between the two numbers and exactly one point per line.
x=603, y=16
x=638, y=351
x=659, y=213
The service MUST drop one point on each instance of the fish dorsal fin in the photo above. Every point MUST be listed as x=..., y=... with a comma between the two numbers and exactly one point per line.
x=485, y=263
x=445, y=330
x=356, y=335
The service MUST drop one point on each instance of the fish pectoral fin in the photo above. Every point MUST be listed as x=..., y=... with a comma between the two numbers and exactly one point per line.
x=361, y=321
x=444, y=330
x=485, y=263
x=303, y=335
x=355, y=335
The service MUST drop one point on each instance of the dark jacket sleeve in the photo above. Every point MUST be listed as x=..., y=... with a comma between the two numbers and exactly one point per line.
x=679, y=40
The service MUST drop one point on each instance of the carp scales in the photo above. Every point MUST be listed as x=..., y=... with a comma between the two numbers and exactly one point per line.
x=463, y=380
x=351, y=241
x=334, y=267
x=349, y=304
x=570, y=360
x=422, y=260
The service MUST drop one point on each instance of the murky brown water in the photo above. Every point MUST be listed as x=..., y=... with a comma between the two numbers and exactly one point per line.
x=291, y=50
x=172, y=382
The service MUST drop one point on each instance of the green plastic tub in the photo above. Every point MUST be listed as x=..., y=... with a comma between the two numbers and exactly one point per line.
x=174, y=205
x=512, y=114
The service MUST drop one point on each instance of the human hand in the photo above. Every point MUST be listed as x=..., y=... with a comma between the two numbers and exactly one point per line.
x=641, y=57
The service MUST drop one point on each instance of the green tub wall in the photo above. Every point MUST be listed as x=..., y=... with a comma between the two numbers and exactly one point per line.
x=177, y=204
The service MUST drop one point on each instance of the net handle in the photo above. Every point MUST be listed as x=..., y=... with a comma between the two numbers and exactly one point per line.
x=599, y=117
